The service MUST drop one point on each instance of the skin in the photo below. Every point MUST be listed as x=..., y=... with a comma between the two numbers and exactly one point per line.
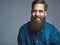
x=39, y=10
x=38, y=17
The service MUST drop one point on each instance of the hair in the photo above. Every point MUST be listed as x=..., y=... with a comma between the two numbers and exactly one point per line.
x=39, y=2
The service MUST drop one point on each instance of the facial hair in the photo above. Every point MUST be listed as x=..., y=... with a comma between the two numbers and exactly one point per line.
x=37, y=25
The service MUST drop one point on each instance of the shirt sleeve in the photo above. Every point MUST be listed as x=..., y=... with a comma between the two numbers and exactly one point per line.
x=55, y=37
x=21, y=37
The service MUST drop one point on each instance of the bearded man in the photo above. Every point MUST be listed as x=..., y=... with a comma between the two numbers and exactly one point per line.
x=37, y=31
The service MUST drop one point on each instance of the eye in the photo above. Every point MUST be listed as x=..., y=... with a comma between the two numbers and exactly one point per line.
x=33, y=10
x=40, y=11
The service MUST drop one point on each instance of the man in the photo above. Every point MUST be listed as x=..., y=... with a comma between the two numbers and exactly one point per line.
x=37, y=31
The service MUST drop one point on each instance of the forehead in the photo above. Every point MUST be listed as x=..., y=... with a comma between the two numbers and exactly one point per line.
x=38, y=7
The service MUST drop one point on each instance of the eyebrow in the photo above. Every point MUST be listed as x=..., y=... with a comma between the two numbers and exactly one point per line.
x=38, y=10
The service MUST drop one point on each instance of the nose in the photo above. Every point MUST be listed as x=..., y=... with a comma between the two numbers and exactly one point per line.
x=37, y=13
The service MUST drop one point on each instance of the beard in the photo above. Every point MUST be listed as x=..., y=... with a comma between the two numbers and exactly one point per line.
x=37, y=23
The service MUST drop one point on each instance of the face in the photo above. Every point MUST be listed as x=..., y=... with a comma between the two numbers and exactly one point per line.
x=38, y=14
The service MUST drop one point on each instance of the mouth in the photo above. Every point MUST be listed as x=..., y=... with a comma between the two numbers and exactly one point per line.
x=37, y=20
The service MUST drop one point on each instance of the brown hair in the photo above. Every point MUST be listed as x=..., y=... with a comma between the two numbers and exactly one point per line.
x=39, y=2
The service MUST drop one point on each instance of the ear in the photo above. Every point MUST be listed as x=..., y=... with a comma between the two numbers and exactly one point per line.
x=45, y=13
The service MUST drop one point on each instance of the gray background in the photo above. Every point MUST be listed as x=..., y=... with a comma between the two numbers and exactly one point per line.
x=14, y=13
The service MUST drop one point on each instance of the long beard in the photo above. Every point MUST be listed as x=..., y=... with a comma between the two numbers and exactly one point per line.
x=36, y=25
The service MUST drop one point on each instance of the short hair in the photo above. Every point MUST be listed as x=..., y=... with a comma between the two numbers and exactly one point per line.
x=39, y=2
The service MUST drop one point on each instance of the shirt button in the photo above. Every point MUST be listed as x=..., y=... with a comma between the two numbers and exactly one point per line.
x=37, y=41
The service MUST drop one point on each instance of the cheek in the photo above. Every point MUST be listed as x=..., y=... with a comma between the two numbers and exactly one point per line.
x=42, y=14
x=33, y=13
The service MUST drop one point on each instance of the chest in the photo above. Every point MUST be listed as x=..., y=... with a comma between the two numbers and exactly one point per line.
x=38, y=39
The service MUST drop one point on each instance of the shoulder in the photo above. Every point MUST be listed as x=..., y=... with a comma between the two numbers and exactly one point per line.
x=24, y=27
x=50, y=29
x=52, y=32
x=50, y=26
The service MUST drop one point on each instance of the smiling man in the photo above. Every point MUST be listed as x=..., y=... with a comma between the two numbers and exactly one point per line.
x=37, y=31
x=38, y=14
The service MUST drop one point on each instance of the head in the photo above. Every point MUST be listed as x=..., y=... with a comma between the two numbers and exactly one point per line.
x=38, y=14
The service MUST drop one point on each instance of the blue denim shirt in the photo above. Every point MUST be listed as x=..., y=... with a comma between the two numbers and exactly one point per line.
x=48, y=36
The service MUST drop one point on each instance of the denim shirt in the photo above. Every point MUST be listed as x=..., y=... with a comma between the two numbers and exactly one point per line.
x=48, y=36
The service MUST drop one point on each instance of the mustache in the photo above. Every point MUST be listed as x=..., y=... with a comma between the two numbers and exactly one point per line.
x=36, y=17
x=33, y=18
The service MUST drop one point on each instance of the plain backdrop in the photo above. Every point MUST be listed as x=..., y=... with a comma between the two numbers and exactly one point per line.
x=15, y=13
